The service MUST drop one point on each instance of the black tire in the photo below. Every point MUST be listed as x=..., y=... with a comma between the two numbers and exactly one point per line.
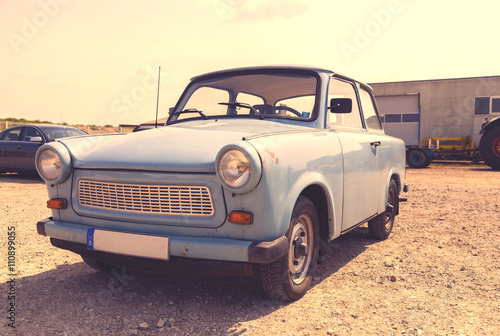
x=96, y=264
x=289, y=277
x=489, y=147
x=416, y=158
x=381, y=226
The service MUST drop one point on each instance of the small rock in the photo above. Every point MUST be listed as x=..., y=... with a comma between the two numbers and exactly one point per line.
x=134, y=332
x=393, y=278
x=388, y=263
x=170, y=303
x=160, y=324
x=143, y=326
x=330, y=332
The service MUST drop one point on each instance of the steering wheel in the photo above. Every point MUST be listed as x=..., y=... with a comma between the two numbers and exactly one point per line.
x=287, y=108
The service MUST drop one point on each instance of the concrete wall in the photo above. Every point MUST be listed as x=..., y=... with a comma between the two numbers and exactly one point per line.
x=447, y=105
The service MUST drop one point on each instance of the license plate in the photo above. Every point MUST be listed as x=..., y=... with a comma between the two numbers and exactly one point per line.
x=137, y=245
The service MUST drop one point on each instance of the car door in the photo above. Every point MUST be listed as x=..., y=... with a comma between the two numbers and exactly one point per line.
x=386, y=150
x=359, y=148
x=8, y=149
x=26, y=149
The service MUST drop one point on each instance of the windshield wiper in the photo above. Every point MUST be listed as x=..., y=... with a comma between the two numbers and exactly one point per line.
x=245, y=105
x=192, y=110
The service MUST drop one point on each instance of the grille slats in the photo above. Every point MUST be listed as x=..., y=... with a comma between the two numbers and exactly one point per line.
x=153, y=199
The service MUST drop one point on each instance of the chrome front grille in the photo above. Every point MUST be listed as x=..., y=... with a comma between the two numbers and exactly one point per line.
x=152, y=199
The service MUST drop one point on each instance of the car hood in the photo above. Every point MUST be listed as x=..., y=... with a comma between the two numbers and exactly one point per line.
x=184, y=147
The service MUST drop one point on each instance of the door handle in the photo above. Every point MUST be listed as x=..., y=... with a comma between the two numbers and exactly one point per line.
x=375, y=143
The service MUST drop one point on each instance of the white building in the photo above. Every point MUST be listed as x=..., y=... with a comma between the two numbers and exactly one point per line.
x=414, y=110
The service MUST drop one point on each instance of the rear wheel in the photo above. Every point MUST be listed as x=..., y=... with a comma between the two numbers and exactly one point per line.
x=289, y=277
x=489, y=147
x=416, y=158
x=381, y=226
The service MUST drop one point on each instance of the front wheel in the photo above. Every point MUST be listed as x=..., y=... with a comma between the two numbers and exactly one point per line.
x=289, y=277
x=381, y=226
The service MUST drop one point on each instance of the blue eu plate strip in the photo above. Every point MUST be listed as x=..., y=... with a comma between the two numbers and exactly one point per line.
x=90, y=239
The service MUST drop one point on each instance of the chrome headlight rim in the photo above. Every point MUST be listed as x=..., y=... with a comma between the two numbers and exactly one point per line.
x=254, y=167
x=64, y=161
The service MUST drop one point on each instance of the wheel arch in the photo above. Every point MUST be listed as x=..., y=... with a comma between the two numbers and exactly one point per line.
x=326, y=197
x=317, y=196
x=488, y=125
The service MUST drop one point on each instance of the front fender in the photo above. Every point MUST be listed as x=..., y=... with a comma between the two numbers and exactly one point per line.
x=489, y=124
x=315, y=158
x=333, y=195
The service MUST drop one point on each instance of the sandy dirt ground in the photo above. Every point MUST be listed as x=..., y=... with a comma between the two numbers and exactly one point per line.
x=437, y=274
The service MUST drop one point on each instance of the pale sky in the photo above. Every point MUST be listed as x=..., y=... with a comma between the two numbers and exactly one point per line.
x=96, y=62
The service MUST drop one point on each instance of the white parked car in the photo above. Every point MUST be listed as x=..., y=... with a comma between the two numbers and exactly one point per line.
x=259, y=166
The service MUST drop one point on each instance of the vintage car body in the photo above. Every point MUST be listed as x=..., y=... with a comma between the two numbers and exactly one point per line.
x=178, y=189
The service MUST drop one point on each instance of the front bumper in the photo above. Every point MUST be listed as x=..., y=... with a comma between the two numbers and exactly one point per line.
x=209, y=248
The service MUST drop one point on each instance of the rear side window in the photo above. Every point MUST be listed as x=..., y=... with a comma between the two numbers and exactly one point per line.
x=12, y=134
x=369, y=111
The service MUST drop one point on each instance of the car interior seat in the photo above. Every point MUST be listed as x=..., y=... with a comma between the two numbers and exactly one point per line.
x=265, y=109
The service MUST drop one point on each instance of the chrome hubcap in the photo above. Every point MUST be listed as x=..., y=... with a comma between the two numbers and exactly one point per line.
x=299, y=256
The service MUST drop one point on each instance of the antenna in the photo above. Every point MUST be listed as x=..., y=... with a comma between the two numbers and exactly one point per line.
x=157, y=97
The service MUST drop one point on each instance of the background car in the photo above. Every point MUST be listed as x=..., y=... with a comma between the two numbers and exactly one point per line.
x=19, y=144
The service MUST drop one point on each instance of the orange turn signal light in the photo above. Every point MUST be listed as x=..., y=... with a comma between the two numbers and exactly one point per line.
x=56, y=203
x=240, y=217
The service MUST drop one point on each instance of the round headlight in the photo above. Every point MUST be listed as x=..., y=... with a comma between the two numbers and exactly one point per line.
x=49, y=164
x=53, y=162
x=239, y=167
x=234, y=168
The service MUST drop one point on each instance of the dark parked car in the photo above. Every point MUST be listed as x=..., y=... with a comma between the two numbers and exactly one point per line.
x=19, y=144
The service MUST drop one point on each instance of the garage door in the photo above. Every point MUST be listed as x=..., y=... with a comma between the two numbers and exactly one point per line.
x=401, y=116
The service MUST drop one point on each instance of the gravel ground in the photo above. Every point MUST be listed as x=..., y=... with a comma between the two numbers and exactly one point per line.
x=437, y=274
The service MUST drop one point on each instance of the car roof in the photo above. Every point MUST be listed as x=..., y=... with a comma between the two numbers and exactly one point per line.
x=41, y=126
x=292, y=68
x=262, y=68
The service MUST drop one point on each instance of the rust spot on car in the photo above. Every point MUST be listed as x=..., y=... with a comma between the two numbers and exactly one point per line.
x=273, y=156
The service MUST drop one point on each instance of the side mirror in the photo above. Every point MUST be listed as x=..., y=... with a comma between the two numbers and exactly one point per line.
x=36, y=139
x=341, y=105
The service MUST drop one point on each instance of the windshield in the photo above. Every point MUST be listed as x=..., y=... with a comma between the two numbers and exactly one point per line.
x=270, y=95
x=53, y=133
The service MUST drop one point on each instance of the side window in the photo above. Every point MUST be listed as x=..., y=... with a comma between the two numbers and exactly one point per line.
x=29, y=133
x=341, y=89
x=12, y=135
x=371, y=117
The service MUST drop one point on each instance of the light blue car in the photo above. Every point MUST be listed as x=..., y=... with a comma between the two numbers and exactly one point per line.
x=255, y=171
